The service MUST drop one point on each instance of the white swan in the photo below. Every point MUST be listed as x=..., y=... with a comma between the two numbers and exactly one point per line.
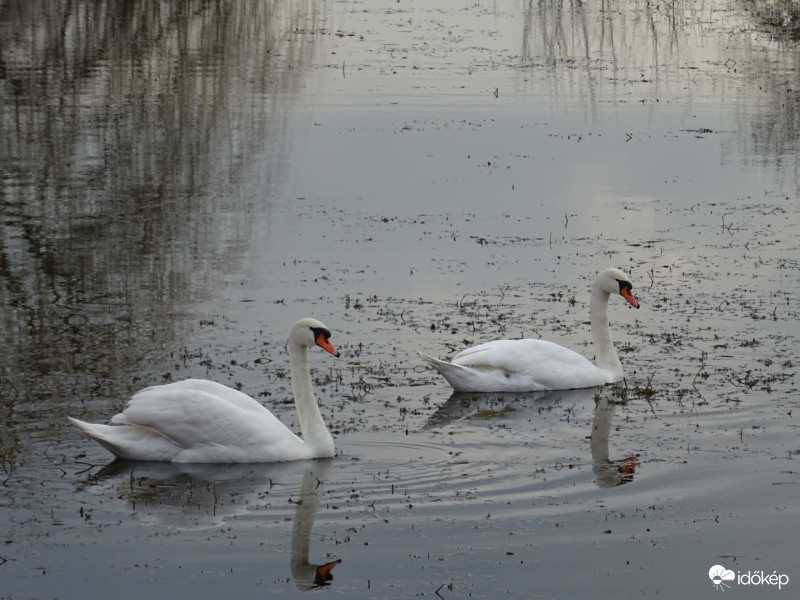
x=203, y=421
x=531, y=365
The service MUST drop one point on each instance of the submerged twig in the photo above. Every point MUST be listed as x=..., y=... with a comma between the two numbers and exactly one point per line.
x=89, y=466
x=700, y=370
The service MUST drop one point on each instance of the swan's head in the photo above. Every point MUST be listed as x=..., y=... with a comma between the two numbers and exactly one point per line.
x=614, y=281
x=310, y=332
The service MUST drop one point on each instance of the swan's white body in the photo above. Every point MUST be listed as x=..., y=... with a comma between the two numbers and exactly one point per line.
x=531, y=365
x=202, y=421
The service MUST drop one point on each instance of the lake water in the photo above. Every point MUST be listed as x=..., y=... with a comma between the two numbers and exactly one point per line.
x=180, y=183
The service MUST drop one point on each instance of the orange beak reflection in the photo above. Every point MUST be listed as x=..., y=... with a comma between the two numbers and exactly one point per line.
x=324, y=575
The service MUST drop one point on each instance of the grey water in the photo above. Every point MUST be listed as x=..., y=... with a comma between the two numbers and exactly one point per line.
x=180, y=182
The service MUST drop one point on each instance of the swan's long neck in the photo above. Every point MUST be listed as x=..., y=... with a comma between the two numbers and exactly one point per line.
x=605, y=354
x=311, y=424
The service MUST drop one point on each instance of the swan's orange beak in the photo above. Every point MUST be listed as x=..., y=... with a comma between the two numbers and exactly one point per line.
x=326, y=345
x=628, y=295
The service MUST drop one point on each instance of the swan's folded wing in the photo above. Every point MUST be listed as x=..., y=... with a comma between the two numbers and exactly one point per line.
x=221, y=392
x=518, y=356
x=193, y=418
x=533, y=365
x=130, y=442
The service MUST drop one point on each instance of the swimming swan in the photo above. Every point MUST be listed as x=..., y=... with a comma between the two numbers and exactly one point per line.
x=202, y=421
x=531, y=365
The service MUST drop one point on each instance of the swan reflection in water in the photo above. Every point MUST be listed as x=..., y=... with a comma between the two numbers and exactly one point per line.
x=608, y=473
x=202, y=496
x=516, y=410
x=305, y=574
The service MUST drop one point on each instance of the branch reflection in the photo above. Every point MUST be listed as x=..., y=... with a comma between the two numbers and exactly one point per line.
x=585, y=55
x=139, y=140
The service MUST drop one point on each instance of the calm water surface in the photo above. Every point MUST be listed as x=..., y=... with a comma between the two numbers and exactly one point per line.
x=180, y=183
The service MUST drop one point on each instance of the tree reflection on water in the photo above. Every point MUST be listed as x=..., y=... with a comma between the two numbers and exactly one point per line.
x=127, y=129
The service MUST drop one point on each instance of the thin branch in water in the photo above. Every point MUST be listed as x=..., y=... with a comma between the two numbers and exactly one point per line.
x=89, y=466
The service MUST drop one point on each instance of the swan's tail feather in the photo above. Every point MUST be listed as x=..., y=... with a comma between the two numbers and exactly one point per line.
x=127, y=441
x=100, y=435
x=91, y=429
x=452, y=373
x=440, y=365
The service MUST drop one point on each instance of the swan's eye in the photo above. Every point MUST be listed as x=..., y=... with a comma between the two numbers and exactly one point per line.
x=320, y=331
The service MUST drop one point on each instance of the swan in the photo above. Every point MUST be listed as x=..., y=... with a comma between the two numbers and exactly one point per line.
x=531, y=365
x=203, y=421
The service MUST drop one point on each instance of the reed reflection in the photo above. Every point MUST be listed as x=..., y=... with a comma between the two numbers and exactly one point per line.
x=780, y=18
x=682, y=53
x=139, y=141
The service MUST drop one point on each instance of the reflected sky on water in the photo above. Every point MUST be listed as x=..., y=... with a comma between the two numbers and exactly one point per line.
x=180, y=182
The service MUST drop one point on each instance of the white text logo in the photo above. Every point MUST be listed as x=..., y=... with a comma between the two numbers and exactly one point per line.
x=722, y=578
